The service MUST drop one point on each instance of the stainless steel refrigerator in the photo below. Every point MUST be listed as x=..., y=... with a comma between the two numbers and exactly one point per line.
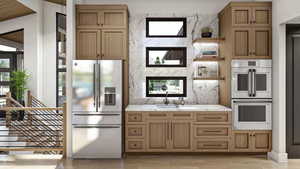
x=97, y=109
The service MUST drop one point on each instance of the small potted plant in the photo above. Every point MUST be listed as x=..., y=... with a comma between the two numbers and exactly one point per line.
x=206, y=32
x=18, y=82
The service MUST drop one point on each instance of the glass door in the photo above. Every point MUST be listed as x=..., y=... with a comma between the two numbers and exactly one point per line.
x=262, y=79
x=241, y=83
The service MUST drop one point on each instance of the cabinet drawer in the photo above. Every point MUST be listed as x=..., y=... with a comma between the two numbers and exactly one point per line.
x=158, y=115
x=182, y=115
x=135, y=131
x=215, y=131
x=213, y=117
x=211, y=146
x=134, y=117
x=135, y=145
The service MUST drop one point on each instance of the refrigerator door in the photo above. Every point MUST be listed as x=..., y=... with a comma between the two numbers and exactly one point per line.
x=96, y=141
x=84, y=86
x=110, y=93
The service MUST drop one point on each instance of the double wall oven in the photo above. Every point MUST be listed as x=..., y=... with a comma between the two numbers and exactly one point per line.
x=252, y=94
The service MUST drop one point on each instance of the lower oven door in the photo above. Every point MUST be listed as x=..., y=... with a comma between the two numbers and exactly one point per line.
x=252, y=114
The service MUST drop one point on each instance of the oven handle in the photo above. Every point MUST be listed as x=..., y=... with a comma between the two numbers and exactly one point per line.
x=253, y=82
x=249, y=82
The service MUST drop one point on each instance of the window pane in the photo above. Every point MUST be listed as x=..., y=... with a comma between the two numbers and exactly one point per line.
x=252, y=113
x=61, y=88
x=4, y=76
x=166, y=56
x=242, y=82
x=160, y=86
x=4, y=63
x=4, y=90
x=166, y=27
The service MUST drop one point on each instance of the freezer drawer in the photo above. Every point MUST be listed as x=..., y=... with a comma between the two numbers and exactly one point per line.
x=96, y=141
x=96, y=119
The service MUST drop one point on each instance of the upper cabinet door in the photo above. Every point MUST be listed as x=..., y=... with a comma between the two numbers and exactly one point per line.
x=241, y=16
x=88, y=44
x=241, y=40
x=113, y=44
x=113, y=19
x=262, y=43
x=262, y=16
x=88, y=19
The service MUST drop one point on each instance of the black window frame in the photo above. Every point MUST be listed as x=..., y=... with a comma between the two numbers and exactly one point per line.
x=166, y=19
x=148, y=49
x=12, y=56
x=166, y=78
x=58, y=70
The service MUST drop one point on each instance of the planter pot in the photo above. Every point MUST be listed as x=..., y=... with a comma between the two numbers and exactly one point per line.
x=206, y=34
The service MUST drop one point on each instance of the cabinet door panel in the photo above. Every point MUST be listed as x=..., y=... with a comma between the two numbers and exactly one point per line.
x=241, y=16
x=113, y=44
x=241, y=44
x=241, y=142
x=181, y=136
x=113, y=19
x=262, y=43
x=157, y=131
x=88, y=44
x=88, y=19
x=262, y=16
x=262, y=141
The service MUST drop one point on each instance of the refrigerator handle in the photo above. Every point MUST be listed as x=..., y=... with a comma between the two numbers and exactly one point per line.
x=94, y=84
x=99, y=86
x=254, y=82
x=250, y=82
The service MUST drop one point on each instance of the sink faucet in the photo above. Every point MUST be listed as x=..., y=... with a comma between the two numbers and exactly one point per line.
x=166, y=101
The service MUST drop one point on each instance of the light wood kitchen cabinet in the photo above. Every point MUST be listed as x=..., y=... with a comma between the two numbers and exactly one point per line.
x=251, y=141
x=158, y=135
x=180, y=135
x=113, y=44
x=88, y=44
x=101, y=16
x=251, y=14
x=252, y=43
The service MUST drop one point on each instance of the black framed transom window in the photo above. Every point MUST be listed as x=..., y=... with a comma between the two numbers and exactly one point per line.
x=163, y=86
x=166, y=27
x=166, y=56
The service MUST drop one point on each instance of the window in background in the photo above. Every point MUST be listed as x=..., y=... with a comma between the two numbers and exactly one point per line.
x=161, y=86
x=61, y=59
x=166, y=57
x=166, y=27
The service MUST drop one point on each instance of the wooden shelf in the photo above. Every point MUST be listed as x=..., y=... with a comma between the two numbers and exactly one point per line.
x=207, y=59
x=208, y=40
x=209, y=78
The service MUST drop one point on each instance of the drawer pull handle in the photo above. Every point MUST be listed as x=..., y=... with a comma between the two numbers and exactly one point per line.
x=213, y=118
x=210, y=145
x=213, y=131
x=157, y=115
x=182, y=115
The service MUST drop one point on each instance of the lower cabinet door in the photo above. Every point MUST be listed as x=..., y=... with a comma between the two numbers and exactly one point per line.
x=157, y=135
x=180, y=136
x=241, y=141
x=262, y=141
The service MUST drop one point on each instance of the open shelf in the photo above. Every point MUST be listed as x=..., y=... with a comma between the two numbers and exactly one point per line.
x=208, y=59
x=209, y=78
x=208, y=40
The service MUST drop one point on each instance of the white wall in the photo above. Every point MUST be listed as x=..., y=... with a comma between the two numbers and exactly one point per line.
x=31, y=53
x=49, y=53
x=283, y=11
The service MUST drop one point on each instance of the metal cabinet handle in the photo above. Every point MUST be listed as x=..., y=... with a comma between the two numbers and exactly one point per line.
x=94, y=84
x=99, y=85
x=253, y=82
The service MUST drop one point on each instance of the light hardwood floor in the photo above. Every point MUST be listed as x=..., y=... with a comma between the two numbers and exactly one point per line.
x=150, y=162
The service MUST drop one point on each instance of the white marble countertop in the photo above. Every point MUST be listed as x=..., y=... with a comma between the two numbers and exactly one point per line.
x=146, y=107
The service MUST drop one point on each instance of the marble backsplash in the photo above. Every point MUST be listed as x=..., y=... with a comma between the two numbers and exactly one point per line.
x=198, y=92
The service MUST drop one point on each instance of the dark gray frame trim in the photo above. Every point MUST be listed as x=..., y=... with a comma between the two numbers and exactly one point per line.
x=148, y=78
x=162, y=19
x=166, y=48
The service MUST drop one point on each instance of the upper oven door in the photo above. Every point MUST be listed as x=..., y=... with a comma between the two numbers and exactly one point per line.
x=252, y=115
x=241, y=83
x=251, y=83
